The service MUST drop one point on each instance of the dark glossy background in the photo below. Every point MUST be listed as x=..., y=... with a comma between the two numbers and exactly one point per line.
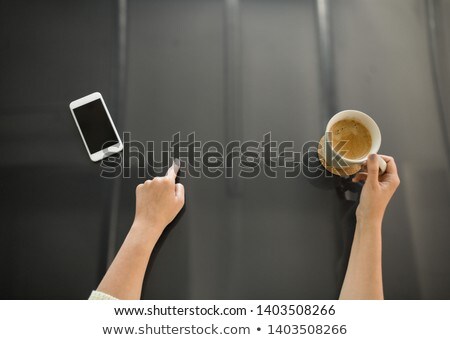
x=224, y=69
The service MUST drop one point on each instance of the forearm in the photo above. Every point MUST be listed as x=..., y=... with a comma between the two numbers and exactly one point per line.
x=363, y=279
x=125, y=276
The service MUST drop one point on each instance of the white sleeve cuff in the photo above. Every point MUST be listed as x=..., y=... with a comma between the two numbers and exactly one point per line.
x=97, y=295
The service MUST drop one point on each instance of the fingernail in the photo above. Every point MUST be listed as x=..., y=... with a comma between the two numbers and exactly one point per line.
x=372, y=157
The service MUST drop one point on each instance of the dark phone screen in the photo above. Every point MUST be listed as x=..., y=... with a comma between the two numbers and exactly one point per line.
x=95, y=126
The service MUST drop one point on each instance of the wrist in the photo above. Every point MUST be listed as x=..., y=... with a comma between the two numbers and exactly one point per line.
x=148, y=226
x=145, y=233
x=369, y=217
x=368, y=224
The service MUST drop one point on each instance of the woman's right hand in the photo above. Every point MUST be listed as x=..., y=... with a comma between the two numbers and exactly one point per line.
x=377, y=190
x=159, y=200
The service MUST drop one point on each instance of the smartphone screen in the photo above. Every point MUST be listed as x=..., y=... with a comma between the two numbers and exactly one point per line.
x=95, y=126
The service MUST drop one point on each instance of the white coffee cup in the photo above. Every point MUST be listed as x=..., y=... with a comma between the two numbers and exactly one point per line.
x=339, y=161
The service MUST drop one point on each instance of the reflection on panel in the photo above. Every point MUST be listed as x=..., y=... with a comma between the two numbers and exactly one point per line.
x=383, y=68
x=175, y=84
x=288, y=241
x=54, y=205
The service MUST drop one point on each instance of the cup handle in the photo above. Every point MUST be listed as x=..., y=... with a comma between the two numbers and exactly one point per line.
x=382, y=165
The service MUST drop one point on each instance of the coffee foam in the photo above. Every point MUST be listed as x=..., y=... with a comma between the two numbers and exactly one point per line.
x=351, y=139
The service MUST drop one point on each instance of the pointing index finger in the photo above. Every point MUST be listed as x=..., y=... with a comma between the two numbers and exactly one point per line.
x=173, y=170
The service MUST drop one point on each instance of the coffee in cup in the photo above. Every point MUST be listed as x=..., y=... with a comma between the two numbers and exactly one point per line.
x=350, y=137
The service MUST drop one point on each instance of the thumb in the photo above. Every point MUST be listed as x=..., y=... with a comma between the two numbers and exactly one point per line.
x=372, y=169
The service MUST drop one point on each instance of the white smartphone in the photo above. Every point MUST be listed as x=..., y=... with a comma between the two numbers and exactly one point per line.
x=96, y=127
